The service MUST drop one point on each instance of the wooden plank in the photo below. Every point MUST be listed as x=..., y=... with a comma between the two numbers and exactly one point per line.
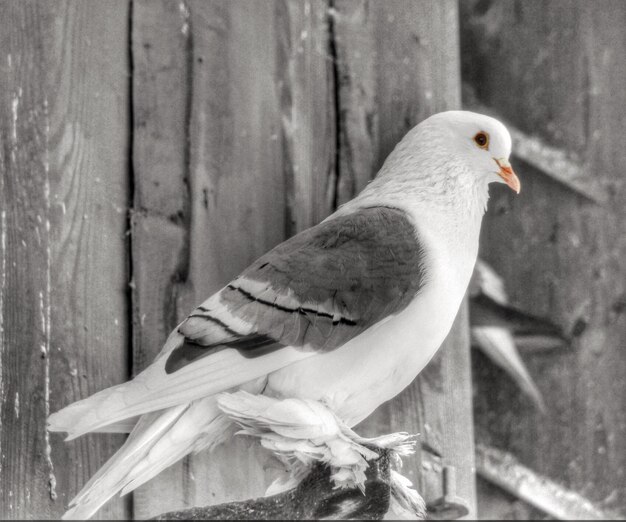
x=561, y=256
x=160, y=236
x=395, y=68
x=445, y=397
x=255, y=107
x=503, y=469
x=63, y=321
x=304, y=75
x=245, y=172
x=397, y=63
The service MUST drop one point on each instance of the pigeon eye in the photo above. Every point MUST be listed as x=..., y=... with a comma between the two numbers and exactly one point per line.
x=482, y=140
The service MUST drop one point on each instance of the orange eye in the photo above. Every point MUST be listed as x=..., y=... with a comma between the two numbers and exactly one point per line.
x=482, y=140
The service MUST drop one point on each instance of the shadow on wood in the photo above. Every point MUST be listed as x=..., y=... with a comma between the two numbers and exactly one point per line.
x=314, y=498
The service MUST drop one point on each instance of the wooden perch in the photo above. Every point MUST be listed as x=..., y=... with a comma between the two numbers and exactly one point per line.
x=314, y=498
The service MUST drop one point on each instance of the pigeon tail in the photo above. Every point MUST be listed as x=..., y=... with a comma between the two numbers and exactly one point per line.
x=89, y=412
x=158, y=440
x=154, y=389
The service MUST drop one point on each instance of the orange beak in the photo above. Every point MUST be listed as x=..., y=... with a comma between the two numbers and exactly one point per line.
x=507, y=174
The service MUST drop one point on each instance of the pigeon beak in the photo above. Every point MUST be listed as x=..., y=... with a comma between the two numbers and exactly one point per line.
x=507, y=174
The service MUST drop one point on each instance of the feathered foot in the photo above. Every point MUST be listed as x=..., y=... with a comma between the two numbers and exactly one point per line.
x=301, y=432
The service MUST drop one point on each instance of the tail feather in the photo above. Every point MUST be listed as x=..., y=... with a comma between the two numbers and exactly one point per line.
x=159, y=440
x=168, y=416
x=86, y=412
x=203, y=419
x=123, y=426
x=147, y=430
x=110, y=478
x=217, y=430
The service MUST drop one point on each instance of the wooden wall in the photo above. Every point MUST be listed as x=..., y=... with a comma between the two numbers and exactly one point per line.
x=149, y=150
x=244, y=118
x=562, y=255
x=64, y=188
x=270, y=131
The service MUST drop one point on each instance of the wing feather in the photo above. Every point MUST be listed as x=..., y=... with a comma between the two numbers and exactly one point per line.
x=315, y=291
x=310, y=294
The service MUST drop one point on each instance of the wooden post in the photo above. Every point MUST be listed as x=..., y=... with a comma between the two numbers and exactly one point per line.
x=557, y=70
x=64, y=131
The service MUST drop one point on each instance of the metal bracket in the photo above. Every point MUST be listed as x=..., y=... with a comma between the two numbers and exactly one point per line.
x=449, y=506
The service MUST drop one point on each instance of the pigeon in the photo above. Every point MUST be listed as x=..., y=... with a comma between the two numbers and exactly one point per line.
x=347, y=312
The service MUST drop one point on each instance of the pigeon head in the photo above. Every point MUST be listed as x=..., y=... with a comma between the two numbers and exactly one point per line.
x=482, y=143
x=443, y=167
x=451, y=156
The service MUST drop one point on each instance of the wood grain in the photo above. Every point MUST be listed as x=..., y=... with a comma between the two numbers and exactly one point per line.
x=161, y=209
x=238, y=160
x=64, y=108
x=234, y=134
x=306, y=83
x=560, y=255
x=243, y=120
x=398, y=62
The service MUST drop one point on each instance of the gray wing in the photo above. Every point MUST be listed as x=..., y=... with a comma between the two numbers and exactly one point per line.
x=316, y=291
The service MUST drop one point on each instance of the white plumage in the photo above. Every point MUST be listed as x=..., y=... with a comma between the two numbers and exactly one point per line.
x=343, y=315
x=302, y=432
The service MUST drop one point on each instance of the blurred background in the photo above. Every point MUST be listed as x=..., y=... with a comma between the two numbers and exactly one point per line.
x=151, y=149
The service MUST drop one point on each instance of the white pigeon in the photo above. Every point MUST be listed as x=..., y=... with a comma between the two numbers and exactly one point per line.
x=347, y=312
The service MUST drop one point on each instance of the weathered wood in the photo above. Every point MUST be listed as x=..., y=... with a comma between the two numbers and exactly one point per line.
x=64, y=108
x=444, y=397
x=503, y=469
x=397, y=63
x=315, y=498
x=257, y=110
x=560, y=255
x=304, y=76
x=242, y=124
x=234, y=133
x=493, y=503
x=236, y=163
x=161, y=208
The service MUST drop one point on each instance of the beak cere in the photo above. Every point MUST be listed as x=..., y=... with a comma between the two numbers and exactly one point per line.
x=507, y=174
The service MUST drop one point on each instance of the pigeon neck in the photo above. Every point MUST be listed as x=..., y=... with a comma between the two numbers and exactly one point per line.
x=447, y=203
x=450, y=219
